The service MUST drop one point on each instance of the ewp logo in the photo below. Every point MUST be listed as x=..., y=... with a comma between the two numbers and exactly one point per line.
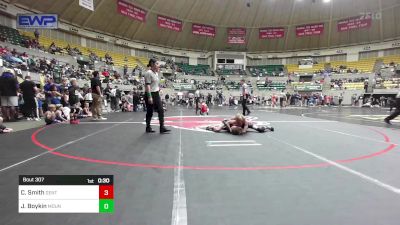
x=44, y=21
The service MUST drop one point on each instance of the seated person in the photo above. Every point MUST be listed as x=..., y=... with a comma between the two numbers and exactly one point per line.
x=238, y=125
x=4, y=129
x=204, y=108
x=86, y=110
x=53, y=115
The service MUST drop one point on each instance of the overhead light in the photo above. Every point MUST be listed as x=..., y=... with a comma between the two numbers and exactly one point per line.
x=326, y=1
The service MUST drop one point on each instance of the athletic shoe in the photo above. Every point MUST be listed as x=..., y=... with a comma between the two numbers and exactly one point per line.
x=164, y=130
x=149, y=130
x=94, y=119
x=37, y=119
x=387, y=121
x=29, y=119
x=261, y=129
x=102, y=118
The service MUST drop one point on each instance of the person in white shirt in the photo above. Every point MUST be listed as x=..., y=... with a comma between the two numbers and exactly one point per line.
x=152, y=96
x=396, y=112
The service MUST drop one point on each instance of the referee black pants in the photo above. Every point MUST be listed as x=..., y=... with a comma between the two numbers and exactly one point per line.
x=396, y=112
x=197, y=101
x=29, y=107
x=156, y=106
x=245, y=108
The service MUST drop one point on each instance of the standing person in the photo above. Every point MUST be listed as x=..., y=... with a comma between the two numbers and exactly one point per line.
x=97, y=96
x=245, y=94
x=396, y=112
x=74, y=101
x=152, y=96
x=135, y=100
x=29, y=89
x=9, y=95
x=197, y=100
x=114, y=99
x=340, y=99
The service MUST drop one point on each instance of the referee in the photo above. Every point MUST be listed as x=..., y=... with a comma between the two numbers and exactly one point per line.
x=152, y=96
x=245, y=93
x=396, y=112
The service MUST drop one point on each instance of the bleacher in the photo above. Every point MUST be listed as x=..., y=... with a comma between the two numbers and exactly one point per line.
x=353, y=86
x=390, y=84
x=391, y=58
x=227, y=72
x=118, y=58
x=232, y=85
x=363, y=65
x=11, y=35
x=294, y=68
x=265, y=70
x=195, y=69
x=262, y=86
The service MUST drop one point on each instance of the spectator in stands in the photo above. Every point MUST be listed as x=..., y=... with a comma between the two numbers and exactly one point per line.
x=53, y=115
x=36, y=34
x=366, y=86
x=53, y=48
x=40, y=98
x=28, y=89
x=9, y=95
x=114, y=97
x=55, y=96
x=88, y=98
x=86, y=110
x=125, y=70
x=97, y=97
x=109, y=60
x=4, y=129
x=64, y=85
x=74, y=99
x=47, y=88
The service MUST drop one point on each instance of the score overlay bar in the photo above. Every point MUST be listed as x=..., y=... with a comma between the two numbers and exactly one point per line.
x=66, y=194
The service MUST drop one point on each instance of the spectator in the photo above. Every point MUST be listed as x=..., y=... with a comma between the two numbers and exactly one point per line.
x=36, y=33
x=74, y=98
x=53, y=115
x=9, y=95
x=89, y=97
x=114, y=98
x=97, y=97
x=40, y=97
x=4, y=129
x=28, y=89
x=86, y=110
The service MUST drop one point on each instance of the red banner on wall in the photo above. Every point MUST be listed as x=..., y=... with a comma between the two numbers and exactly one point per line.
x=271, y=32
x=310, y=30
x=237, y=31
x=204, y=30
x=169, y=23
x=132, y=11
x=237, y=40
x=236, y=35
x=353, y=23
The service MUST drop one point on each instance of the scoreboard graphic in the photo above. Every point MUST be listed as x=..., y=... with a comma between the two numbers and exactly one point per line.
x=66, y=194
